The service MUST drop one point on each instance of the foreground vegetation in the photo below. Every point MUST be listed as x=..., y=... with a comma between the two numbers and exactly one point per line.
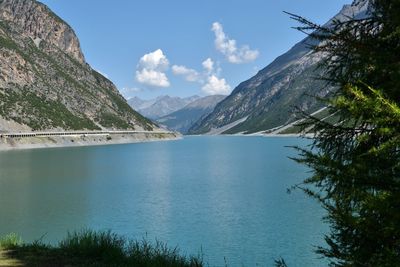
x=91, y=248
x=356, y=161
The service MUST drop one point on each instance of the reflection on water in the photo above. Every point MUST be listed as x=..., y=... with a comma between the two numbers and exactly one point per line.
x=224, y=195
x=40, y=195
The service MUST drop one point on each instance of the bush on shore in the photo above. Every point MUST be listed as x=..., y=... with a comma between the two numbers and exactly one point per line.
x=96, y=248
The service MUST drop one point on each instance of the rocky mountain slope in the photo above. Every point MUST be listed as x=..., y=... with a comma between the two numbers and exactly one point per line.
x=184, y=118
x=160, y=106
x=270, y=98
x=45, y=82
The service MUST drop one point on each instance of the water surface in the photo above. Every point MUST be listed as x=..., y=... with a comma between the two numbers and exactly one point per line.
x=224, y=196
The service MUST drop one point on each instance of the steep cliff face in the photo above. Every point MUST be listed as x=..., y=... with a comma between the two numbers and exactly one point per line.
x=45, y=82
x=35, y=20
x=270, y=98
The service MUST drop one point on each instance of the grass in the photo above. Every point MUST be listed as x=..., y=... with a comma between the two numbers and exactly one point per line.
x=93, y=248
x=10, y=240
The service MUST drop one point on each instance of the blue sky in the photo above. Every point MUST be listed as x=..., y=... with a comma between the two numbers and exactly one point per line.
x=181, y=48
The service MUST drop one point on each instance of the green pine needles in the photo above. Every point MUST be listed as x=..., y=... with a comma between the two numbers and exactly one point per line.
x=355, y=159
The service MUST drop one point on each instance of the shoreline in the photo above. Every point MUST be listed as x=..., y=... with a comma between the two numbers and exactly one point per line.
x=40, y=142
x=25, y=143
x=308, y=135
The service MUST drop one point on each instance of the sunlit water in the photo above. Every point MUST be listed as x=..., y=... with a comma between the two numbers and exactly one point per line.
x=223, y=196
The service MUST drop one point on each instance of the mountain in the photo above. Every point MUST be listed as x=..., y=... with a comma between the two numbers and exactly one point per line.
x=138, y=103
x=182, y=119
x=160, y=106
x=270, y=98
x=45, y=82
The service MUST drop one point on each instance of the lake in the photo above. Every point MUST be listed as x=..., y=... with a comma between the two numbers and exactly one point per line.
x=223, y=196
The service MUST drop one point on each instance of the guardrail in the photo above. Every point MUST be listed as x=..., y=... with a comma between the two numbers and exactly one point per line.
x=77, y=133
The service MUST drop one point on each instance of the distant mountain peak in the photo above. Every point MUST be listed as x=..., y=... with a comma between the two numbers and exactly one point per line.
x=161, y=105
x=183, y=119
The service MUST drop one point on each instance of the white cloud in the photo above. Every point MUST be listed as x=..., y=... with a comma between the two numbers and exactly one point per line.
x=216, y=86
x=209, y=77
x=190, y=75
x=208, y=65
x=154, y=61
x=152, y=78
x=229, y=48
x=151, y=69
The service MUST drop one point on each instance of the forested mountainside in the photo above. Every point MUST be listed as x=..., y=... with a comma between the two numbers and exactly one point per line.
x=45, y=82
x=272, y=96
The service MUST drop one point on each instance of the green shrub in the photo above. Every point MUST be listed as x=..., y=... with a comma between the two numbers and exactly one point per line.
x=159, y=254
x=10, y=240
x=104, y=246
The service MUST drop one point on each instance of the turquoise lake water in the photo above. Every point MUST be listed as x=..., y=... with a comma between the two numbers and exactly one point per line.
x=224, y=196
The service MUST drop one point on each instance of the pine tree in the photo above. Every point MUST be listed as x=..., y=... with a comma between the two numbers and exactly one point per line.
x=355, y=159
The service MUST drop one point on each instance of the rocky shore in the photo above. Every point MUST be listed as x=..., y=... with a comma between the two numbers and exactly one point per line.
x=82, y=140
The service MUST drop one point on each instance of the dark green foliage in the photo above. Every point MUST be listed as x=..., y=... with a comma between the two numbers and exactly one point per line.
x=144, y=253
x=280, y=263
x=105, y=246
x=40, y=113
x=7, y=43
x=355, y=157
x=91, y=248
x=110, y=120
